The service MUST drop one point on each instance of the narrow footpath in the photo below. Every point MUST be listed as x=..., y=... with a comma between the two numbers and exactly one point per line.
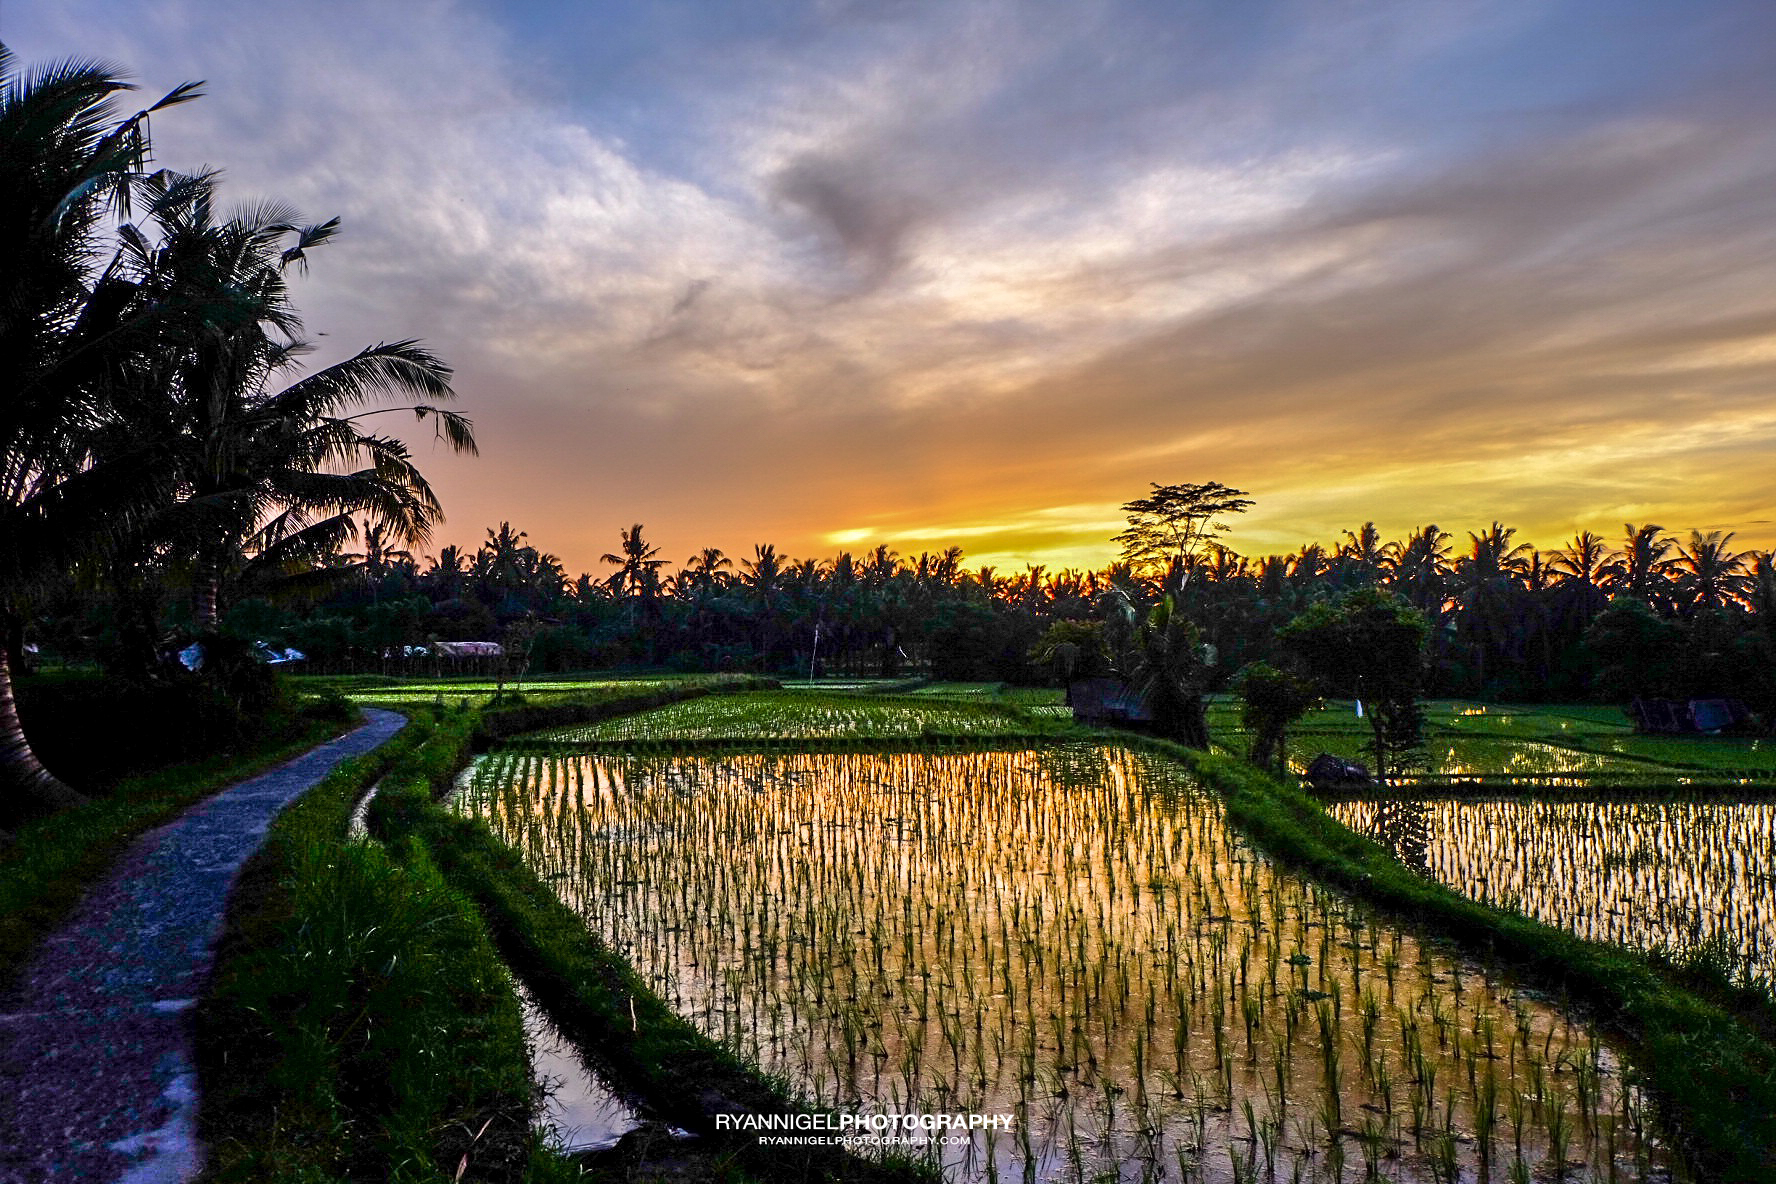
x=97, y=1077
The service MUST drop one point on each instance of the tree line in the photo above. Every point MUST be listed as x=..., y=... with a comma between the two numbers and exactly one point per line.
x=1655, y=615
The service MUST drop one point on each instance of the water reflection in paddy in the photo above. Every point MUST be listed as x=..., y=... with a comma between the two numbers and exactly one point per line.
x=1074, y=937
x=1673, y=874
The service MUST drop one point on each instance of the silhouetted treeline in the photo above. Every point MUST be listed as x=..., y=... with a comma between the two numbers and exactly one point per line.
x=1652, y=615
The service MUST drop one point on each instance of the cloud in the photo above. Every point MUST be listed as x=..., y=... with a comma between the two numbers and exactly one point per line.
x=790, y=271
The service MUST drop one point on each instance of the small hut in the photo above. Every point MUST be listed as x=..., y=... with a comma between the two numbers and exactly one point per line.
x=1106, y=701
x=1689, y=717
x=1335, y=772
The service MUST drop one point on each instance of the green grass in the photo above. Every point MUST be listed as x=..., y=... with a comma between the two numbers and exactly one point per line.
x=1464, y=739
x=56, y=858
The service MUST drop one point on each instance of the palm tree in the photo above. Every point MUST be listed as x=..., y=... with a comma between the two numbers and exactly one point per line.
x=268, y=483
x=706, y=570
x=703, y=577
x=1582, y=565
x=65, y=161
x=634, y=563
x=637, y=577
x=1366, y=552
x=1168, y=669
x=1488, y=583
x=446, y=573
x=1643, y=570
x=762, y=576
x=1709, y=575
x=1419, y=570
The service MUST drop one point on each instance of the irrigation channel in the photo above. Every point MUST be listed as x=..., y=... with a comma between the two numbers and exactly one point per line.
x=1682, y=875
x=1074, y=936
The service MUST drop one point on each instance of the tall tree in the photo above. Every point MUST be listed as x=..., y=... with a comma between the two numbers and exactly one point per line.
x=269, y=481
x=1171, y=528
x=1369, y=644
x=1170, y=670
x=1643, y=570
x=1708, y=575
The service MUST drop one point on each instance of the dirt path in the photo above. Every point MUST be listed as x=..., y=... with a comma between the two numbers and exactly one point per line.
x=96, y=1071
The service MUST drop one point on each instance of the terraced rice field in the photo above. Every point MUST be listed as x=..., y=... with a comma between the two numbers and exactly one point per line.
x=776, y=716
x=1682, y=876
x=1073, y=936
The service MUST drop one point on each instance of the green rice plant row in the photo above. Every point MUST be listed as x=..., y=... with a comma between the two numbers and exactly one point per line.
x=1072, y=936
x=1693, y=878
x=659, y=1062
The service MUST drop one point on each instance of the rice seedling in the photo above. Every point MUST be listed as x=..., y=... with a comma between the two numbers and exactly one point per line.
x=1073, y=936
x=1682, y=876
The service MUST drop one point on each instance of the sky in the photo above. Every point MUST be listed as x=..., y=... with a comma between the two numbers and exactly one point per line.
x=833, y=274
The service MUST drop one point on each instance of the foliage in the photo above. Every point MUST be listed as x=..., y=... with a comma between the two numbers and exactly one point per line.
x=1170, y=528
x=360, y=1025
x=1169, y=668
x=1073, y=649
x=1270, y=701
x=1369, y=644
x=1636, y=650
x=143, y=441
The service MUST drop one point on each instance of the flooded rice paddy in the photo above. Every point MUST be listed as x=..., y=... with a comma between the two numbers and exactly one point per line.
x=1679, y=875
x=1076, y=938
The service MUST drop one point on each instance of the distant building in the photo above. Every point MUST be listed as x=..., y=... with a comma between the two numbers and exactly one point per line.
x=1679, y=717
x=469, y=649
x=1106, y=701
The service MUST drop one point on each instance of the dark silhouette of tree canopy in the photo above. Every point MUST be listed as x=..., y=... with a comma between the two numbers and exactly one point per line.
x=269, y=481
x=141, y=441
x=1369, y=644
x=1271, y=700
x=1171, y=528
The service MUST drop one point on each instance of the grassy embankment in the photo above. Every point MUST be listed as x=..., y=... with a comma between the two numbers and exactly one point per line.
x=1553, y=750
x=360, y=1024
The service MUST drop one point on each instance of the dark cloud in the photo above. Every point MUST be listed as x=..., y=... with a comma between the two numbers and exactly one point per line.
x=854, y=206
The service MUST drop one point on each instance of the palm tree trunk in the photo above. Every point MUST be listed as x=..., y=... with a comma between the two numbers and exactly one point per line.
x=23, y=779
x=205, y=581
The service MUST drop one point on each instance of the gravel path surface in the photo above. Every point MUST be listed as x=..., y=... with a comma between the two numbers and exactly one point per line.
x=97, y=1080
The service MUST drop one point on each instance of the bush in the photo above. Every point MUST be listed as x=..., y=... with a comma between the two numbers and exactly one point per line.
x=145, y=726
